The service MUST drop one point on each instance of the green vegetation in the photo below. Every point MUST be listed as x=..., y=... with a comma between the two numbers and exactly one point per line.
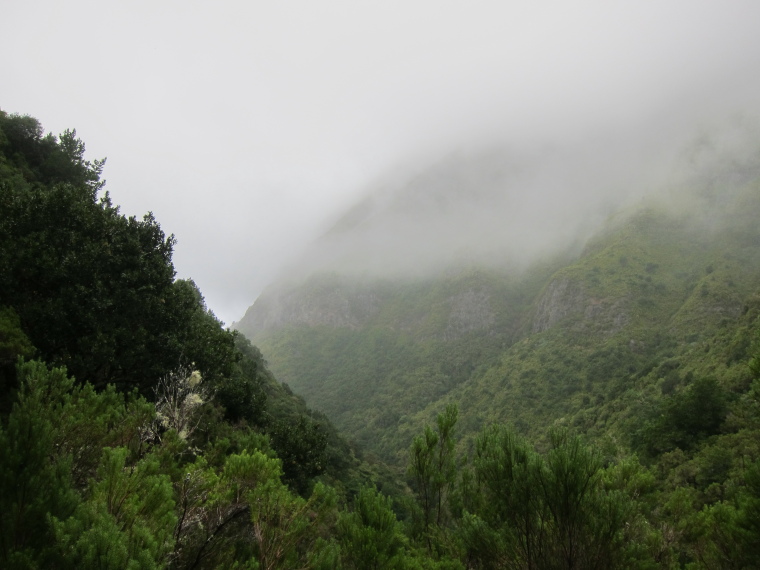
x=654, y=302
x=601, y=411
x=421, y=341
x=85, y=288
x=118, y=441
x=640, y=343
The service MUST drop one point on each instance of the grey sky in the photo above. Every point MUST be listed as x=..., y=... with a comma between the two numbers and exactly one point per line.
x=244, y=125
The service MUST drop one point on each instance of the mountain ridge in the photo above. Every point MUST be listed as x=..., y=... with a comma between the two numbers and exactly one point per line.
x=382, y=355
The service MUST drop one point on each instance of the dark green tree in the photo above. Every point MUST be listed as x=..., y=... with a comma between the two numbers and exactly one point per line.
x=35, y=478
x=126, y=520
x=685, y=418
x=300, y=443
x=432, y=470
x=507, y=530
x=243, y=393
x=94, y=290
x=370, y=536
x=36, y=158
x=585, y=523
x=13, y=344
x=544, y=512
x=50, y=450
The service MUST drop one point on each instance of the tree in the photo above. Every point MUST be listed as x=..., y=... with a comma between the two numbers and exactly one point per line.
x=543, y=512
x=32, y=484
x=507, y=527
x=685, y=418
x=432, y=470
x=285, y=528
x=586, y=523
x=50, y=452
x=46, y=159
x=94, y=290
x=242, y=393
x=300, y=443
x=13, y=344
x=370, y=536
x=126, y=521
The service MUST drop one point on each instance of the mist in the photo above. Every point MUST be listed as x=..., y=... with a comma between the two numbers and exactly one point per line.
x=249, y=128
x=513, y=204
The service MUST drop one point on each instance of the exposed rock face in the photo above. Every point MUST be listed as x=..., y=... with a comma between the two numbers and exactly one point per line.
x=564, y=298
x=470, y=311
x=339, y=303
x=323, y=303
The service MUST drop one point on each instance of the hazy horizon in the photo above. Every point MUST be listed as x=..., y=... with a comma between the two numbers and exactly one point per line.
x=247, y=128
x=509, y=207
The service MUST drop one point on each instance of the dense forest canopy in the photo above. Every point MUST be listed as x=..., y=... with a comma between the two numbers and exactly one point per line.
x=137, y=432
x=94, y=290
x=93, y=294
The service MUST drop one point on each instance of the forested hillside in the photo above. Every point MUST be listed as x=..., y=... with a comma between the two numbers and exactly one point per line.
x=558, y=340
x=133, y=423
x=640, y=341
x=615, y=393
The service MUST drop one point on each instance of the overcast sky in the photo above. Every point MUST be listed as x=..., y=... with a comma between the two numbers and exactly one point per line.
x=245, y=125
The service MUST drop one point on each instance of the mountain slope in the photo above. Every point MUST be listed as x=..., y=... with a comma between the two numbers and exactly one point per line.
x=579, y=338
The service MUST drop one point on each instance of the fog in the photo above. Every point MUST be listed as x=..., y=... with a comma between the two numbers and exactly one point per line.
x=511, y=205
x=249, y=128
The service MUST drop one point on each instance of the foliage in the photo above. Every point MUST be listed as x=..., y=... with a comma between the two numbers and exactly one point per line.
x=50, y=449
x=243, y=393
x=93, y=474
x=32, y=484
x=432, y=469
x=94, y=290
x=13, y=343
x=686, y=418
x=642, y=342
x=301, y=446
x=35, y=158
x=656, y=300
x=126, y=520
x=552, y=511
x=509, y=518
x=371, y=536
